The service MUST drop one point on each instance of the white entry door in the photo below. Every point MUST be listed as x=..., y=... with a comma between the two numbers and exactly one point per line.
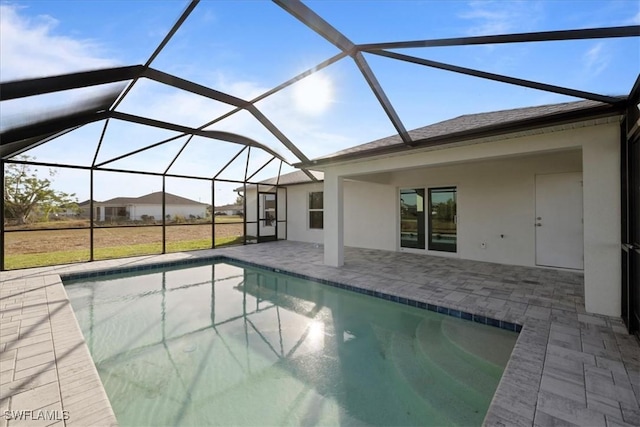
x=558, y=222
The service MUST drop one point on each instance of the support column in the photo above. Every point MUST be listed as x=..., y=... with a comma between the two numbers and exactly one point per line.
x=333, y=220
x=602, y=255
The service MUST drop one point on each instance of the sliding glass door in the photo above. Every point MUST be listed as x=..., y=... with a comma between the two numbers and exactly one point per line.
x=443, y=227
x=412, y=221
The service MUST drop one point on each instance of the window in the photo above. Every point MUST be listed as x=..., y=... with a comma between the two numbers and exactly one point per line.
x=412, y=218
x=316, y=206
x=443, y=219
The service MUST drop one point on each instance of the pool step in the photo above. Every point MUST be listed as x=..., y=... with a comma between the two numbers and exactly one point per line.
x=456, y=401
x=463, y=367
x=491, y=346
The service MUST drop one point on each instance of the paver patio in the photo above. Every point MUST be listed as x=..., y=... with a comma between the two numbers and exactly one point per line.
x=567, y=368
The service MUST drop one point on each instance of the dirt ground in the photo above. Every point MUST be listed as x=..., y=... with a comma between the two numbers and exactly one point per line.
x=32, y=242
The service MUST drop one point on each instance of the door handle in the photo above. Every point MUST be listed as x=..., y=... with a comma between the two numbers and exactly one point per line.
x=538, y=224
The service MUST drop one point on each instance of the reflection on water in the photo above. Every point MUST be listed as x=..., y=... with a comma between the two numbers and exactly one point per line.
x=228, y=345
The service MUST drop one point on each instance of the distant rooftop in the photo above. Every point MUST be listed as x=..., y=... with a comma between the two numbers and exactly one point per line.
x=148, y=199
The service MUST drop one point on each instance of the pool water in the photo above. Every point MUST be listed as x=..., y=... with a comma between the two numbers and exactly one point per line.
x=226, y=344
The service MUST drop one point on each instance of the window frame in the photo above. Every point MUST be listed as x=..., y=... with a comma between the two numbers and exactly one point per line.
x=434, y=246
x=310, y=210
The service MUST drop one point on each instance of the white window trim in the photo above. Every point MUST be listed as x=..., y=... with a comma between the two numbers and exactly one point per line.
x=309, y=210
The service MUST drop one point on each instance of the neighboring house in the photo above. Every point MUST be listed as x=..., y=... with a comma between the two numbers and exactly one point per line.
x=537, y=187
x=147, y=206
x=228, y=210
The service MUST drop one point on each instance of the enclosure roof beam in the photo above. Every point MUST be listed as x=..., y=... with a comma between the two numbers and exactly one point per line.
x=18, y=147
x=165, y=78
x=186, y=85
x=192, y=87
x=140, y=150
x=500, y=78
x=278, y=88
x=312, y=20
x=176, y=26
x=282, y=138
x=29, y=135
x=175, y=158
x=259, y=169
x=377, y=90
x=229, y=162
x=50, y=127
x=183, y=17
x=24, y=88
x=211, y=134
x=542, y=36
x=270, y=92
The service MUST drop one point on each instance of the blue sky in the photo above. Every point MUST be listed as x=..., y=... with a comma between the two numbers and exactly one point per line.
x=247, y=47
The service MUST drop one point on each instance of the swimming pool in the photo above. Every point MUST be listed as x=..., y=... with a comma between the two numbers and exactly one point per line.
x=229, y=344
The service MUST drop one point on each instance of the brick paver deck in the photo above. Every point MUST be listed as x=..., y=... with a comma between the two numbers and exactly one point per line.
x=567, y=368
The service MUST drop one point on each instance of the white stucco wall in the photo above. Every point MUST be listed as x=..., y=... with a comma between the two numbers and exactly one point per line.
x=496, y=196
x=298, y=216
x=368, y=208
x=496, y=202
x=602, y=212
x=136, y=211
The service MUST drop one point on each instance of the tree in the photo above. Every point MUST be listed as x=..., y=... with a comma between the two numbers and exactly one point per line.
x=25, y=194
x=240, y=200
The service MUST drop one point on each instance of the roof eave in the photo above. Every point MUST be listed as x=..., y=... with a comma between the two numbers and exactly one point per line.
x=596, y=112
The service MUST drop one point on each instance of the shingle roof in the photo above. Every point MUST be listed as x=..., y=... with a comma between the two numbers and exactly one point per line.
x=468, y=123
x=296, y=177
x=228, y=208
x=152, y=199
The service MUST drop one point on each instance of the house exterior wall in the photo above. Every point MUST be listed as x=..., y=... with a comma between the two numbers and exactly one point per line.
x=298, y=214
x=496, y=196
x=136, y=211
x=496, y=202
x=369, y=213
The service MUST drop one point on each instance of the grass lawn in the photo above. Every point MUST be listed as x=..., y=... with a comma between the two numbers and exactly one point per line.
x=41, y=248
x=16, y=261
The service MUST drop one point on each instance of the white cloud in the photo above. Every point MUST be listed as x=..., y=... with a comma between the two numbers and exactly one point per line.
x=596, y=59
x=500, y=17
x=30, y=48
x=635, y=20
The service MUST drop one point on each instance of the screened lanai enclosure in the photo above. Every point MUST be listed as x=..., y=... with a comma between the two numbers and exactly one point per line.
x=181, y=151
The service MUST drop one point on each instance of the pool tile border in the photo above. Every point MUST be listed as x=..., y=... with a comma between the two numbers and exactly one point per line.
x=460, y=314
